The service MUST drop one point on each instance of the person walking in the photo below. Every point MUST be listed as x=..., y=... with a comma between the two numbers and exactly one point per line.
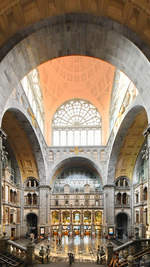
x=98, y=255
x=70, y=258
x=47, y=253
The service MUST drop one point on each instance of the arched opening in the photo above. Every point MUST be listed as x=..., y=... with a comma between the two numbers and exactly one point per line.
x=34, y=199
x=29, y=199
x=145, y=194
x=66, y=217
x=15, y=197
x=22, y=138
x=124, y=198
x=78, y=175
x=11, y=195
x=126, y=146
x=137, y=198
x=32, y=224
x=122, y=226
x=90, y=49
x=119, y=198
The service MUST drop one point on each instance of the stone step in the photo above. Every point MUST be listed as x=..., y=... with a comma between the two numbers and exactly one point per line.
x=9, y=260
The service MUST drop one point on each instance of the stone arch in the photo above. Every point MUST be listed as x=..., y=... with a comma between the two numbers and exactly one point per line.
x=119, y=139
x=145, y=193
x=122, y=180
x=25, y=129
x=81, y=36
x=76, y=18
x=31, y=182
x=60, y=164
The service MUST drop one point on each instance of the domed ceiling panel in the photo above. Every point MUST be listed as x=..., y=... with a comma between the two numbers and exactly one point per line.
x=71, y=77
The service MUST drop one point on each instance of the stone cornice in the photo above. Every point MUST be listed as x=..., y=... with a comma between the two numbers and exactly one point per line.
x=44, y=186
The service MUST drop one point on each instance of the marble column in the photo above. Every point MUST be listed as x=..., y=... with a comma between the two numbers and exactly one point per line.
x=92, y=223
x=109, y=206
x=44, y=207
x=82, y=223
x=70, y=222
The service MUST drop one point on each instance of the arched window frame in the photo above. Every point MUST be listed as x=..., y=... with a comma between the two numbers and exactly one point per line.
x=76, y=122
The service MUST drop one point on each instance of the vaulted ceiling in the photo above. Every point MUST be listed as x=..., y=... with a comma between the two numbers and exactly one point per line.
x=16, y=15
x=18, y=140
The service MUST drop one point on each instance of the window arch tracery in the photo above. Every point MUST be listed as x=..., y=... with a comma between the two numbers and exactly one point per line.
x=76, y=122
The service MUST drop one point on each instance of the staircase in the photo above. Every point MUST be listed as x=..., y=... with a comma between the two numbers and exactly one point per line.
x=137, y=256
x=9, y=260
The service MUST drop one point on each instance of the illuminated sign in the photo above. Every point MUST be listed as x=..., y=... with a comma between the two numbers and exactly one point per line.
x=110, y=230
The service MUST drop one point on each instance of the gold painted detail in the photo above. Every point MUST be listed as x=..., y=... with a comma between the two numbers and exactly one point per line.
x=76, y=150
x=33, y=119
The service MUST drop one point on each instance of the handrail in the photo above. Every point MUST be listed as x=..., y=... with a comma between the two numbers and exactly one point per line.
x=128, y=243
x=10, y=242
x=136, y=256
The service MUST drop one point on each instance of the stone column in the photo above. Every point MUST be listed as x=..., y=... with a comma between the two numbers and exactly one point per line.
x=109, y=205
x=4, y=243
x=82, y=223
x=44, y=207
x=30, y=257
x=70, y=222
x=109, y=252
x=92, y=224
x=146, y=155
x=23, y=222
x=60, y=219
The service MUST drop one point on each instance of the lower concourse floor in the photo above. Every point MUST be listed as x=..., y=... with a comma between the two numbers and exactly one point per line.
x=84, y=249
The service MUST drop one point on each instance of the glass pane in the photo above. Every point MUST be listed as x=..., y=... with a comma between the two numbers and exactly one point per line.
x=56, y=138
x=70, y=138
x=76, y=138
x=63, y=138
x=90, y=138
x=83, y=138
x=97, y=137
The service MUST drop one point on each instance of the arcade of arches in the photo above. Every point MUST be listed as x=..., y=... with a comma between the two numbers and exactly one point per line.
x=75, y=109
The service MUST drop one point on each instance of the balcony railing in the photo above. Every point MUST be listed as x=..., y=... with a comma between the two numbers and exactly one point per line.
x=31, y=203
x=121, y=205
x=75, y=206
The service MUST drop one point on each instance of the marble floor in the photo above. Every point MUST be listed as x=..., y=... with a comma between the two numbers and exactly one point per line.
x=84, y=249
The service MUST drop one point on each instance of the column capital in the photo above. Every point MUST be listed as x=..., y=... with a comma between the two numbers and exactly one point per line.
x=44, y=186
x=108, y=186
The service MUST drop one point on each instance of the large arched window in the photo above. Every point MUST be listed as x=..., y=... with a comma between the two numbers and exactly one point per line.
x=76, y=123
